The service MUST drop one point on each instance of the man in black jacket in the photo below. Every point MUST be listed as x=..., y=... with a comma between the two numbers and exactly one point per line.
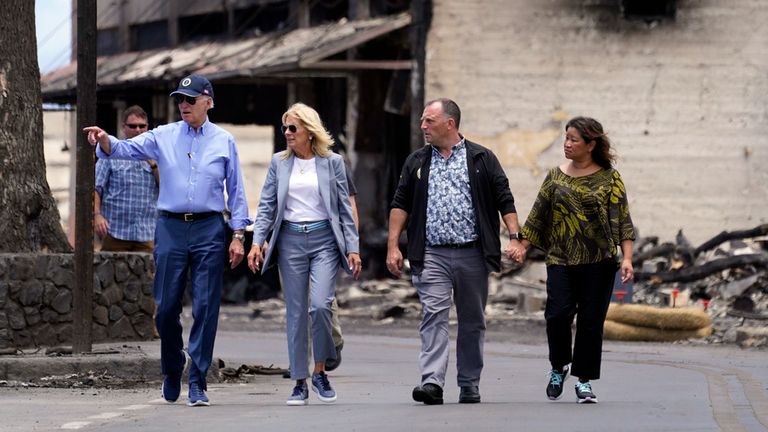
x=452, y=191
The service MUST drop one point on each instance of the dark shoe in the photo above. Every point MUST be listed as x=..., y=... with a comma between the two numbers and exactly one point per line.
x=430, y=394
x=469, y=394
x=331, y=364
x=197, y=396
x=584, y=393
x=171, y=388
x=555, y=385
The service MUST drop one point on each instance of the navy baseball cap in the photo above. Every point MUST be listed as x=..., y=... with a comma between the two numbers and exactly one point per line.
x=194, y=85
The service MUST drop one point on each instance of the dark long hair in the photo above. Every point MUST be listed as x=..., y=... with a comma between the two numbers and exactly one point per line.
x=591, y=130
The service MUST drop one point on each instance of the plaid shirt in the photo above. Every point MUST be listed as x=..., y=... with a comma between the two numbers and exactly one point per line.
x=128, y=192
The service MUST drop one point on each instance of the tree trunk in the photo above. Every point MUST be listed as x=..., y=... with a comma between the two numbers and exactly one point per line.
x=29, y=218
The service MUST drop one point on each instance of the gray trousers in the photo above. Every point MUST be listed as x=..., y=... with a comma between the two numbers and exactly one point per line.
x=463, y=273
x=308, y=264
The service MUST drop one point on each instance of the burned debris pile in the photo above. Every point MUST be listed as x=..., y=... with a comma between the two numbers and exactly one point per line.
x=726, y=276
x=725, y=279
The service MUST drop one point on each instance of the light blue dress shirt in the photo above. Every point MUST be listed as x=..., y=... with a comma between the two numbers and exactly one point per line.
x=194, y=166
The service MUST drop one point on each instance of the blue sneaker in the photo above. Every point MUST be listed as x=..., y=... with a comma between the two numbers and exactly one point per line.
x=299, y=396
x=322, y=387
x=197, y=396
x=171, y=388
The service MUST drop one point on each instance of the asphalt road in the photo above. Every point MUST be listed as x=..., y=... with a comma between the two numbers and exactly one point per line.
x=645, y=387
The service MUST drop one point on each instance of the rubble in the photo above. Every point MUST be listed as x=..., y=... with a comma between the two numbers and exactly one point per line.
x=247, y=373
x=726, y=276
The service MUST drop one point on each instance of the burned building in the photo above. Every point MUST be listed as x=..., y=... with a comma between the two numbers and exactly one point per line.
x=680, y=86
x=351, y=60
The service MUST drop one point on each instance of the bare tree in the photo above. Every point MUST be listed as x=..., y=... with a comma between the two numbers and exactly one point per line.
x=29, y=218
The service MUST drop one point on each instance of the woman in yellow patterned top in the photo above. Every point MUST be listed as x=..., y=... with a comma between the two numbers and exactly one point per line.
x=579, y=218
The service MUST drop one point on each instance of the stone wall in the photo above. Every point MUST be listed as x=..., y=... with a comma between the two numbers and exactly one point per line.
x=36, y=298
x=684, y=100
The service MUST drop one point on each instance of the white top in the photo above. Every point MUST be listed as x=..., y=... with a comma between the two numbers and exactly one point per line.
x=303, y=203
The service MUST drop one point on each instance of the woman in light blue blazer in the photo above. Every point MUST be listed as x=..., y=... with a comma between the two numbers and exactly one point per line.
x=305, y=203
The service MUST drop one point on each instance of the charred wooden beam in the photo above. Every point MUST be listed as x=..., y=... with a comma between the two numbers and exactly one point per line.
x=664, y=249
x=359, y=64
x=724, y=236
x=690, y=274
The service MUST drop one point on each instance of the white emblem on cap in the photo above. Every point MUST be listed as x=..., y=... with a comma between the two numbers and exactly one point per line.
x=186, y=81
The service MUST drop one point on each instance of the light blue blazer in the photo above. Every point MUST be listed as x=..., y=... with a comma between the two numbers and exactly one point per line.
x=332, y=182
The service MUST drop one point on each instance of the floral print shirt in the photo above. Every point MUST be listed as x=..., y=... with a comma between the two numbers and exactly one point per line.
x=450, y=214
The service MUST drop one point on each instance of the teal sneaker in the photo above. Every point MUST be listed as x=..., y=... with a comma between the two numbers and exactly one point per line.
x=556, y=380
x=584, y=393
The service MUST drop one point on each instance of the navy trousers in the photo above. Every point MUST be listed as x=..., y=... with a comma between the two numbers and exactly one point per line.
x=198, y=247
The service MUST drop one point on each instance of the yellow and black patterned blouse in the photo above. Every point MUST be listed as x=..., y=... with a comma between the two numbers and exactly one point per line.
x=580, y=220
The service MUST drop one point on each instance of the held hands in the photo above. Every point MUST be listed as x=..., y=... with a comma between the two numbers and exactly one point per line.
x=255, y=257
x=627, y=271
x=100, y=225
x=355, y=264
x=395, y=261
x=515, y=251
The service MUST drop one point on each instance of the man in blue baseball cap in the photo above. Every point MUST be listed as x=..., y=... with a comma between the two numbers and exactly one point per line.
x=194, y=86
x=196, y=160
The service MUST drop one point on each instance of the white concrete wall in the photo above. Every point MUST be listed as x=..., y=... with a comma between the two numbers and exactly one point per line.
x=685, y=101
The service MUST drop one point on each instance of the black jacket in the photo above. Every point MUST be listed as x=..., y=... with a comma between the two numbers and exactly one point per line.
x=490, y=196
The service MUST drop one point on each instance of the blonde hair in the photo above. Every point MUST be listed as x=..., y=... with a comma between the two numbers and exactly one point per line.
x=320, y=140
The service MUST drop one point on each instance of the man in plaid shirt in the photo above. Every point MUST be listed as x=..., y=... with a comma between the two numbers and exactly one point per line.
x=125, y=202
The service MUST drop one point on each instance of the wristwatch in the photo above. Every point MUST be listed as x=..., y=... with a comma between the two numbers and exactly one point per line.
x=516, y=236
x=240, y=237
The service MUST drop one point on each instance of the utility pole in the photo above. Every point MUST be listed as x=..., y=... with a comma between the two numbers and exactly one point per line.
x=82, y=315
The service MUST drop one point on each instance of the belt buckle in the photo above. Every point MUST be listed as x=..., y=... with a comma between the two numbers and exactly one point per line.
x=188, y=217
x=304, y=228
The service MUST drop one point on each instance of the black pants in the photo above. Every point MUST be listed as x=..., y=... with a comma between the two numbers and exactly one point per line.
x=584, y=290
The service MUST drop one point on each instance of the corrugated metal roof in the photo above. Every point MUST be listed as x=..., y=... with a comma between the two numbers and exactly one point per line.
x=258, y=56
